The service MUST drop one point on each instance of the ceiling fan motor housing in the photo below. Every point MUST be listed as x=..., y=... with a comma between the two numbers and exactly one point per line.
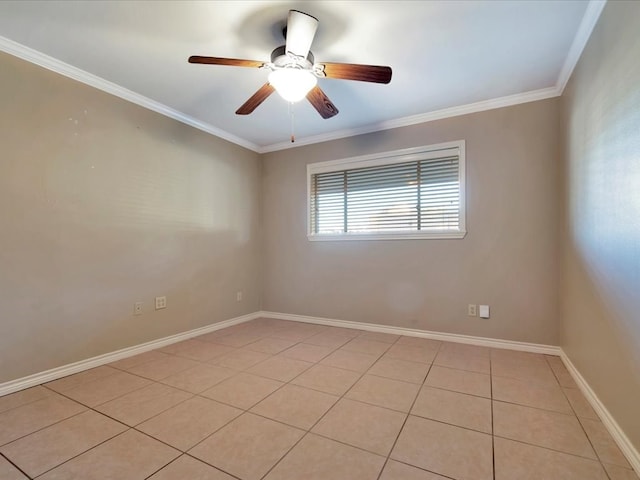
x=279, y=58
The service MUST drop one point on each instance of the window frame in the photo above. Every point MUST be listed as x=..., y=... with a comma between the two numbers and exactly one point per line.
x=390, y=158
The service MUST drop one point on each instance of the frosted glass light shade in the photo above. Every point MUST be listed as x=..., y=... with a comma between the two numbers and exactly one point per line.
x=292, y=84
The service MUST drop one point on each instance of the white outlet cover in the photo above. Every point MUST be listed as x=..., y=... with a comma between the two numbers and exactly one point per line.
x=484, y=311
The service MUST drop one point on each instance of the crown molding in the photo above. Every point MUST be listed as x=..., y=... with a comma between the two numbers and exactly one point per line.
x=481, y=106
x=589, y=20
x=21, y=51
x=588, y=23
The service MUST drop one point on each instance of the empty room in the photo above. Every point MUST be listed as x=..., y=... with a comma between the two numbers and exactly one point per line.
x=309, y=240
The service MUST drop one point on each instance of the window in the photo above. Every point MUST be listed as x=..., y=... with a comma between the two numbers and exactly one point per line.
x=412, y=193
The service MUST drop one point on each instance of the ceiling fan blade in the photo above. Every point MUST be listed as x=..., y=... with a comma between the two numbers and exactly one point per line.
x=321, y=103
x=234, y=62
x=256, y=99
x=301, y=28
x=363, y=73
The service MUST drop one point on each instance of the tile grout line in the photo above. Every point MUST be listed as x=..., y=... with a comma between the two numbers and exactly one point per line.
x=408, y=414
x=379, y=356
x=2, y=455
x=579, y=422
x=307, y=432
x=302, y=341
x=493, y=431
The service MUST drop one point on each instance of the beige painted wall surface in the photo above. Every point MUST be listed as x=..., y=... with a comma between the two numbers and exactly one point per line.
x=103, y=204
x=601, y=284
x=509, y=258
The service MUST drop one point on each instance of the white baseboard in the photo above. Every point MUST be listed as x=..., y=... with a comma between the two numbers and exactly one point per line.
x=59, y=372
x=633, y=456
x=629, y=451
x=411, y=332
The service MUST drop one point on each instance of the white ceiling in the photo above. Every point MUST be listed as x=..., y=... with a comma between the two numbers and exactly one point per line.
x=448, y=57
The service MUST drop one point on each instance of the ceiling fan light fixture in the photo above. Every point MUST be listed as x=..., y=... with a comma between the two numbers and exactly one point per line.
x=292, y=84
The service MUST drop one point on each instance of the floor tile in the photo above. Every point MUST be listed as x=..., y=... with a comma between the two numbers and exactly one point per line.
x=106, y=389
x=517, y=356
x=188, y=468
x=528, y=369
x=131, y=455
x=298, y=333
x=174, y=348
x=48, y=448
x=237, y=340
x=159, y=369
x=603, y=443
x=327, y=379
x=399, y=471
x=426, y=343
x=459, y=381
x=519, y=461
x=444, y=449
x=270, y=345
x=411, y=353
x=280, y=368
x=371, y=428
x=463, y=361
x=240, y=359
x=242, y=390
x=248, y=447
x=190, y=422
x=203, y=351
x=318, y=458
x=455, y=408
x=384, y=392
x=465, y=349
x=67, y=383
x=412, y=372
x=580, y=404
x=199, y=378
x=142, y=404
x=18, y=399
x=211, y=337
x=562, y=374
x=358, y=362
x=542, y=428
x=379, y=337
x=297, y=406
x=616, y=472
x=21, y=421
x=307, y=352
x=328, y=340
x=344, y=332
x=546, y=397
x=9, y=472
x=130, y=362
x=361, y=345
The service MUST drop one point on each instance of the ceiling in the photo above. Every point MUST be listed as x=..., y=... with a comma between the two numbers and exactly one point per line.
x=448, y=57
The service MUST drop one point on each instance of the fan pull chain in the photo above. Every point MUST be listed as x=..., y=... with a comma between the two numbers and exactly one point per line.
x=293, y=137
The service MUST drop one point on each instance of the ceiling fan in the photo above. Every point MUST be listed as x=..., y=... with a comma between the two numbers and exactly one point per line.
x=293, y=71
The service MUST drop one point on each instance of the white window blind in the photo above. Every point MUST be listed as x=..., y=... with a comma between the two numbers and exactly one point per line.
x=414, y=193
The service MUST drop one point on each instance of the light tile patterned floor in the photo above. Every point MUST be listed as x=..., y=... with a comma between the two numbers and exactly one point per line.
x=278, y=400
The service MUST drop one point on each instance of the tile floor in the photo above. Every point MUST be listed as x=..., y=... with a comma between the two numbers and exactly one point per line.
x=278, y=400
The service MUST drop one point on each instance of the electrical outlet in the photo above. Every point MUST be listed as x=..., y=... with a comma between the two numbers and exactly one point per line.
x=238, y=296
x=137, y=308
x=161, y=302
x=471, y=310
x=484, y=311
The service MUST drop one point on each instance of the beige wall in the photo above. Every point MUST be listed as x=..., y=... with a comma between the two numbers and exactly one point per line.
x=104, y=203
x=601, y=284
x=509, y=258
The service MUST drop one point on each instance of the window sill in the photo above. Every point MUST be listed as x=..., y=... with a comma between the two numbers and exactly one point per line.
x=387, y=236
